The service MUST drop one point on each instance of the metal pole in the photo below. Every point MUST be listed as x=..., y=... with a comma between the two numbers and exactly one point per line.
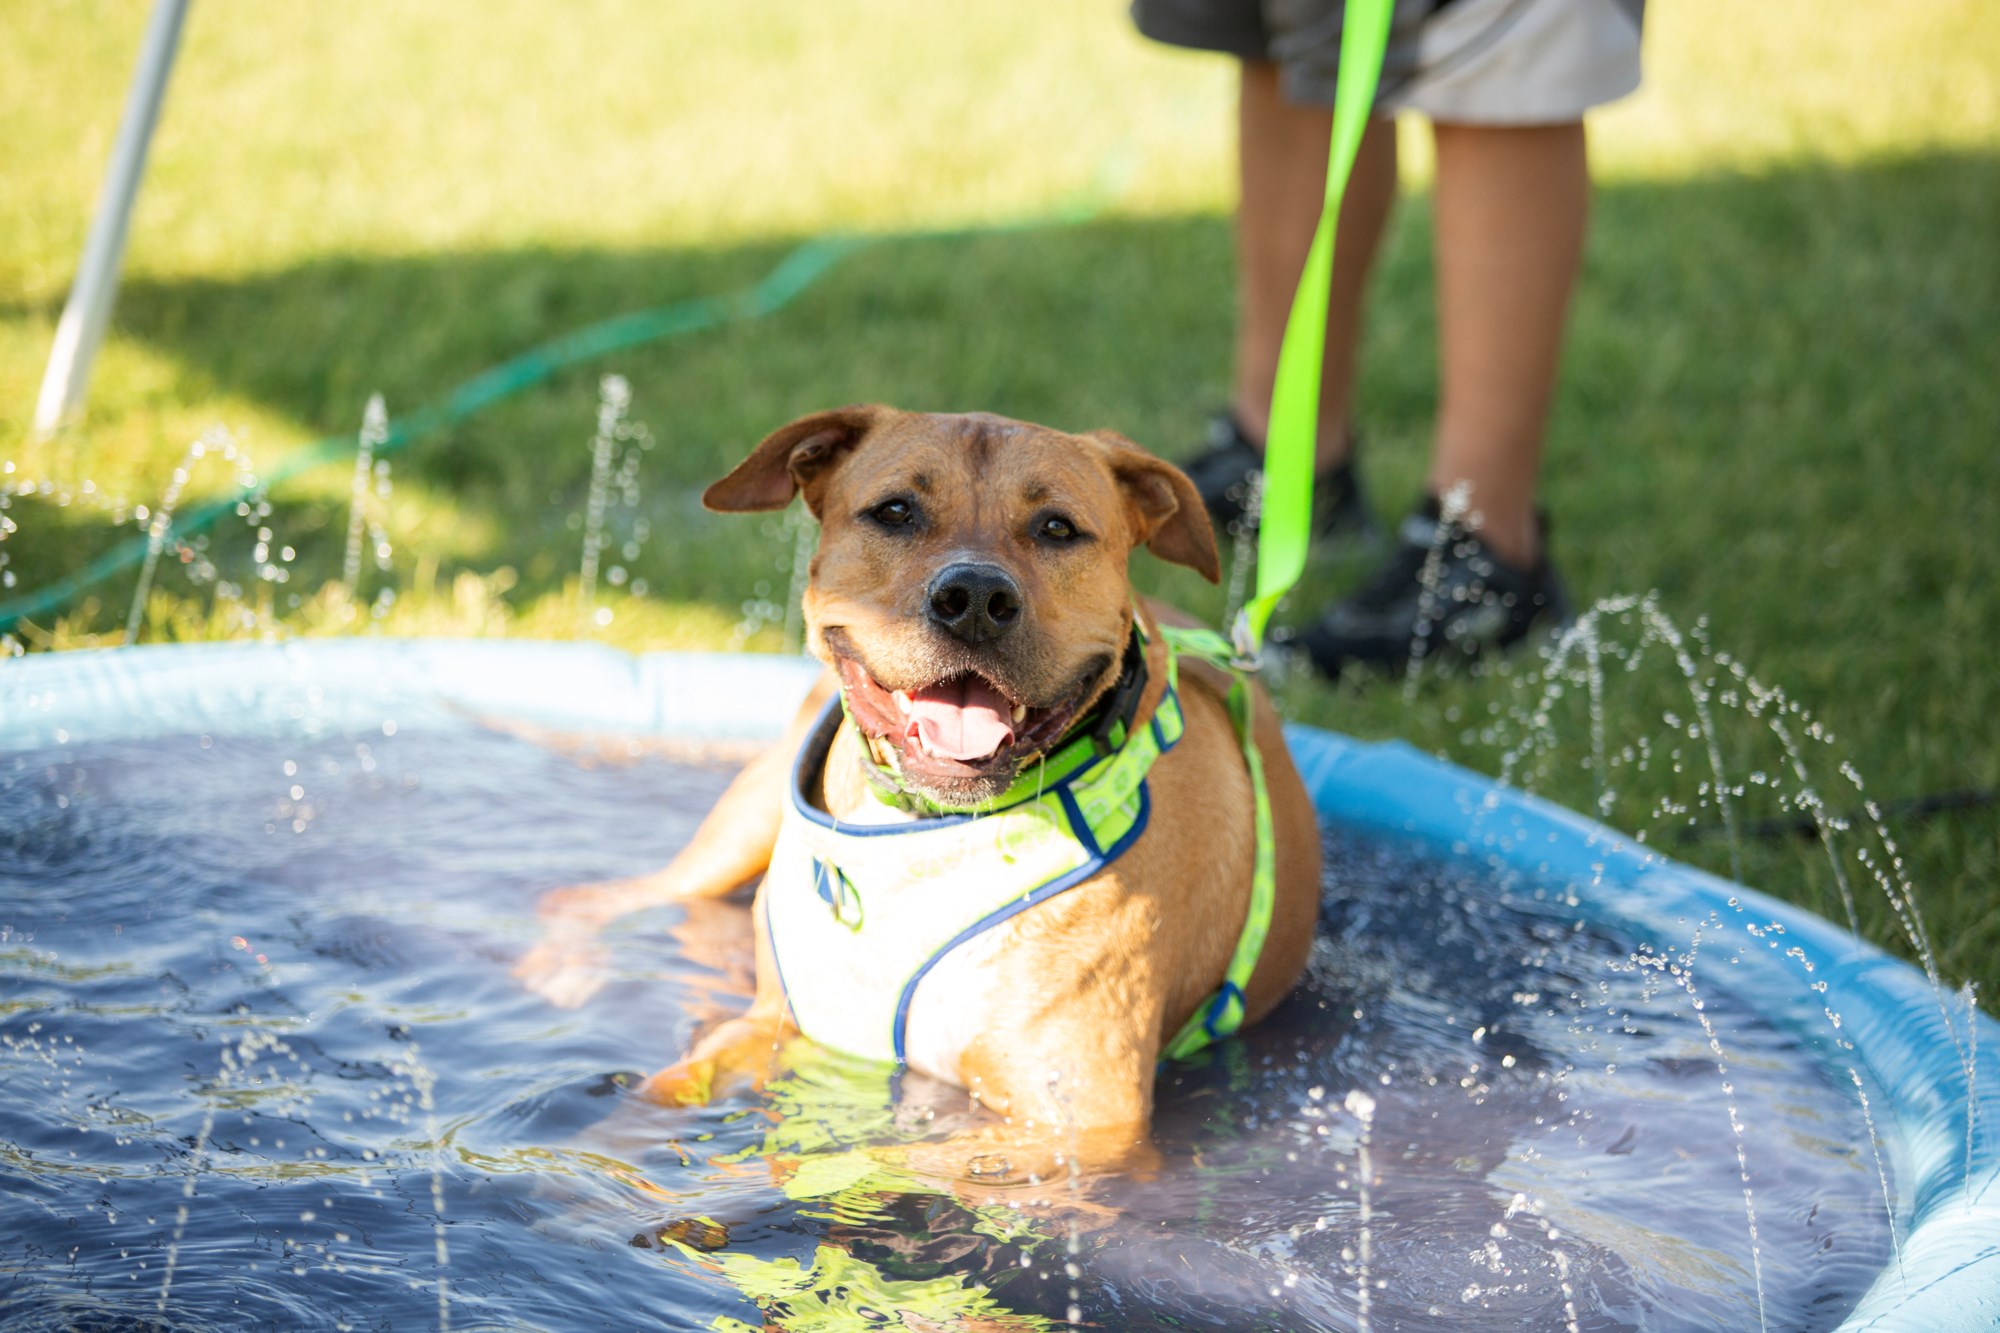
x=88, y=310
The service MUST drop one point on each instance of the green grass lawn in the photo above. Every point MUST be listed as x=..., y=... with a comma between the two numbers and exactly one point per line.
x=1780, y=409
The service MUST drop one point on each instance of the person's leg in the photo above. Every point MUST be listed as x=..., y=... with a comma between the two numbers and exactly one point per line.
x=1510, y=205
x=1282, y=149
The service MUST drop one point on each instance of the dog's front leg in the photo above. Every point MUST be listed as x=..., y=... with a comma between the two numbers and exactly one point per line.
x=730, y=849
x=1068, y=1112
x=749, y=1049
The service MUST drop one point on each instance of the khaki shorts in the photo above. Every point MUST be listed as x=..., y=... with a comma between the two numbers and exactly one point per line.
x=1491, y=62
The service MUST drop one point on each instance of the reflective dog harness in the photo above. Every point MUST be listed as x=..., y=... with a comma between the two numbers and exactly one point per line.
x=859, y=913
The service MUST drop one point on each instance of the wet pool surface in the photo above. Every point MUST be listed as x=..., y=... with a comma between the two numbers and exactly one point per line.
x=263, y=1064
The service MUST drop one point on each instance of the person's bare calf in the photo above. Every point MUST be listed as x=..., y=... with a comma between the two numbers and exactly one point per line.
x=1511, y=205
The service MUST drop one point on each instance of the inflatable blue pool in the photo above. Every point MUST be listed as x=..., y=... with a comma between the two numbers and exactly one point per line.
x=264, y=1063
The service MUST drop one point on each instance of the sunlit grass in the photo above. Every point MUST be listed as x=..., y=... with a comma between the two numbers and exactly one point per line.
x=377, y=128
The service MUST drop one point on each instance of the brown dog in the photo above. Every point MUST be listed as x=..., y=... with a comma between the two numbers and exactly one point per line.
x=970, y=594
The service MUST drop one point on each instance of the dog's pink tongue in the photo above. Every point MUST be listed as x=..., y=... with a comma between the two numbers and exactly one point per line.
x=963, y=719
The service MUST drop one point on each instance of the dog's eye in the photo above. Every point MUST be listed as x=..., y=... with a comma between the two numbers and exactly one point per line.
x=894, y=513
x=1056, y=528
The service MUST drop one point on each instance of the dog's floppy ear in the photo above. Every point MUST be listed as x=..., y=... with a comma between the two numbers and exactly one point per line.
x=789, y=459
x=1167, y=512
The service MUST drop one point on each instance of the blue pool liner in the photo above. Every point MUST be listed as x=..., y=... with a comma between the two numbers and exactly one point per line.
x=1947, y=1210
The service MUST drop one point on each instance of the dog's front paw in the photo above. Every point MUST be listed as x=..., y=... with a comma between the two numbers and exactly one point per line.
x=689, y=1083
x=588, y=906
x=1039, y=1177
x=565, y=969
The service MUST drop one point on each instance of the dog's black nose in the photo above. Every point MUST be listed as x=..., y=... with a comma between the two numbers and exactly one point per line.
x=976, y=603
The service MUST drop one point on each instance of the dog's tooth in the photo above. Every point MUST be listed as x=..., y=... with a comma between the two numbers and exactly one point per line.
x=1020, y=712
x=902, y=698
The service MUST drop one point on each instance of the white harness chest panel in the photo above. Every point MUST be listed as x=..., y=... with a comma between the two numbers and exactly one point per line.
x=860, y=914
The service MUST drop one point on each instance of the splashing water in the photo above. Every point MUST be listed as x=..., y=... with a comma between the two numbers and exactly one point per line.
x=1615, y=637
x=425, y=1082
x=1522, y=1206
x=8, y=527
x=1243, y=546
x=1453, y=512
x=793, y=535
x=1681, y=971
x=614, y=399
x=1362, y=1107
x=63, y=495
x=805, y=540
x=216, y=443
x=615, y=453
x=1969, y=994
x=234, y=1073
x=758, y=611
x=1712, y=679
x=374, y=431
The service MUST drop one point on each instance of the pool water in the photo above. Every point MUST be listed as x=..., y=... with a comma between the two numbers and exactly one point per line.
x=263, y=1063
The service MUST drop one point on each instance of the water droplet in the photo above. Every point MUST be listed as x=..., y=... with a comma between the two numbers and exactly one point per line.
x=989, y=1165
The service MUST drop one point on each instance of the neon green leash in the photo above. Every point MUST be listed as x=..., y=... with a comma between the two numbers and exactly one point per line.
x=1285, y=525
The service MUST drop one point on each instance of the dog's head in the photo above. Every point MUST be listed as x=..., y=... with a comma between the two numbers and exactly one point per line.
x=970, y=584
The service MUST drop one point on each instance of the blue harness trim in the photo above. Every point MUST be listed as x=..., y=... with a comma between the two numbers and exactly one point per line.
x=777, y=960
x=1218, y=1010
x=1021, y=904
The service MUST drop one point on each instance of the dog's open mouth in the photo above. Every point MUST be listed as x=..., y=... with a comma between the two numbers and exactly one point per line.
x=962, y=726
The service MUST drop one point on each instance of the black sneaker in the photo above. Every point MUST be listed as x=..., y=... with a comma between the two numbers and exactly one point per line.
x=1442, y=596
x=1223, y=476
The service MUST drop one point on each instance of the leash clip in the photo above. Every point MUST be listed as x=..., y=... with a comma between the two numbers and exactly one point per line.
x=1249, y=655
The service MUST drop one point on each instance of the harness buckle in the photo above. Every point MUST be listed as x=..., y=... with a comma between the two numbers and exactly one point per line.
x=1247, y=652
x=1218, y=1022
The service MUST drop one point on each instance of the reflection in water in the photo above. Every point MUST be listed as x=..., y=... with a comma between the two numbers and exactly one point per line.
x=262, y=1062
